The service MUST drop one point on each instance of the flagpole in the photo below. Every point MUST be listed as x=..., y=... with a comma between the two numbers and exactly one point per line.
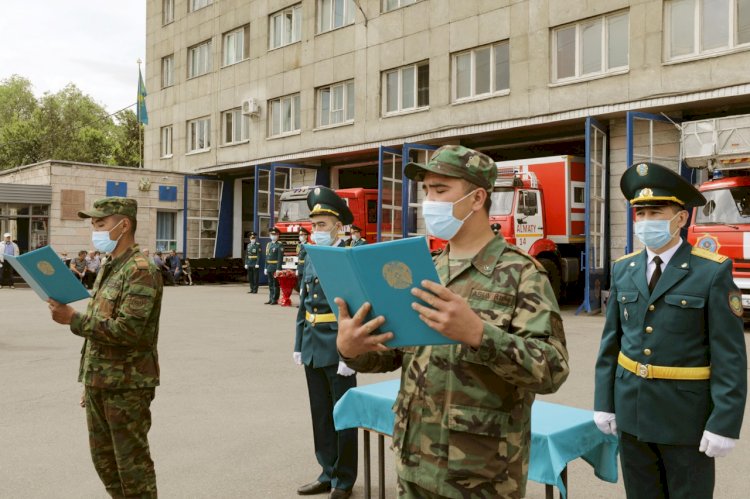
x=138, y=121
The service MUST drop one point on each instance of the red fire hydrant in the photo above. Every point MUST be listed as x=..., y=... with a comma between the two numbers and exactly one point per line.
x=287, y=280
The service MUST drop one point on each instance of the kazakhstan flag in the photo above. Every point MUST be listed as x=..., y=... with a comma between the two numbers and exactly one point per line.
x=142, y=113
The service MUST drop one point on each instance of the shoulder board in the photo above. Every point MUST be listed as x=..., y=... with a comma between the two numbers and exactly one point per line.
x=141, y=262
x=708, y=255
x=629, y=255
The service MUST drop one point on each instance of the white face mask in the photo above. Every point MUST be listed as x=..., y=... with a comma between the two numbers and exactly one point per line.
x=355, y=237
x=101, y=241
x=439, y=219
x=324, y=238
x=274, y=238
x=302, y=238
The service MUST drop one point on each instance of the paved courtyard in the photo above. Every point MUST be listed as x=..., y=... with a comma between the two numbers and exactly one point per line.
x=231, y=417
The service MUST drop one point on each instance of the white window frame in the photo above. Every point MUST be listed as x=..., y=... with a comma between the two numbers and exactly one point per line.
x=167, y=71
x=167, y=12
x=294, y=101
x=228, y=40
x=399, y=4
x=194, y=5
x=698, y=52
x=166, y=244
x=327, y=12
x=294, y=30
x=197, y=130
x=473, y=71
x=605, y=70
x=400, y=107
x=229, y=121
x=167, y=134
x=348, y=96
x=204, y=56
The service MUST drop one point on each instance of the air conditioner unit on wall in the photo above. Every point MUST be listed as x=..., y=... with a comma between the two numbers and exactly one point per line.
x=250, y=107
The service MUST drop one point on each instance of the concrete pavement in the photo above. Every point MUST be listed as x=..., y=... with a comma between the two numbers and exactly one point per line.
x=231, y=418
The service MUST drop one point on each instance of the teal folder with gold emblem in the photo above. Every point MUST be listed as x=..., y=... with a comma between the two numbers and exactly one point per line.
x=47, y=274
x=383, y=275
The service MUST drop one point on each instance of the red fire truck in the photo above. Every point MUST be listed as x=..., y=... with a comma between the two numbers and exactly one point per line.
x=540, y=206
x=294, y=214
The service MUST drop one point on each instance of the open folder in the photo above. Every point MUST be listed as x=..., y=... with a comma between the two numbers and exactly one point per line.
x=47, y=274
x=382, y=274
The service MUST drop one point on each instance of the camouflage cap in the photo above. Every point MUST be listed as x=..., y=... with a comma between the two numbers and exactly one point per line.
x=457, y=161
x=111, y=206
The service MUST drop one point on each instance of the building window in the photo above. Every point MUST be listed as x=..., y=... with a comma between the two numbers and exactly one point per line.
x=286, y=26
x=166, y=141
x=236, y=126
x=199, y=4
x=203, y=202
x=697, y=27
x=407, y=88
x=592, y=47
x=199, y=135
x=167, y=71
x=199, y=59
x=284, y=115
x=481, y=71
x=236, y=45
x=395, y=4
x=167, y=11
x=334, y=14
x=336, y=104
x=166, y=235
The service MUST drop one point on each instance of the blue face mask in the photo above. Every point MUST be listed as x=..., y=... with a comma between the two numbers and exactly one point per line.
x=439, y=220
x=323, y=238
x=102, y=242
x=655, y=233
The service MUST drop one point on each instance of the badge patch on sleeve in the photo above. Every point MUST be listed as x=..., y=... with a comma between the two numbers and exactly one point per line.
x=735, y=303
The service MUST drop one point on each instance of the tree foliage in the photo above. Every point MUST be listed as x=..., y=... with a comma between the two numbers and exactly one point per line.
x=66, y=125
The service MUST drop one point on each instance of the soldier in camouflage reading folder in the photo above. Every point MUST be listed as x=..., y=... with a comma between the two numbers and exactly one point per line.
x=463, y=413
x=119, y=364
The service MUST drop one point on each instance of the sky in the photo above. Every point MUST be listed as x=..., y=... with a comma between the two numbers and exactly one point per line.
x=94, y=44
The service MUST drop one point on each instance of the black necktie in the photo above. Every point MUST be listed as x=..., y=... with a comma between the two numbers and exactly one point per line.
x=656, y=275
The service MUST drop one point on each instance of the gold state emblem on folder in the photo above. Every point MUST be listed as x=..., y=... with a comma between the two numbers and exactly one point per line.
x=397, y=275
x=45, y=267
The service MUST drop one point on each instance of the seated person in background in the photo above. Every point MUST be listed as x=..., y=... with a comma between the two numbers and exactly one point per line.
x=187, y=273
x=162, y=266
x=78, y=265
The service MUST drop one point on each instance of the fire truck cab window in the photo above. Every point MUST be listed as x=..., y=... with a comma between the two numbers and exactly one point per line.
x=292, y=210
x=725, y=206
x=527, y=203
x=502, y=202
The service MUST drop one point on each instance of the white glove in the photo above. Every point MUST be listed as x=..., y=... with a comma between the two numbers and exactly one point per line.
x=344, y=369
x=715, y=445
x=245, y=267
x=257, y=266
x=297, y=357
x=606, y=423
x=265, y=271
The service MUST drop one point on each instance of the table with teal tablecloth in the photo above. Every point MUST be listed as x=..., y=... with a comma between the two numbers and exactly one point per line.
x=559, y=434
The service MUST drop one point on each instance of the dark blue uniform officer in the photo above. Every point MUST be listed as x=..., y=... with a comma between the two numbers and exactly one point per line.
x=315, y=346
x=274, y=261
x=671, y=375
x=252, y=262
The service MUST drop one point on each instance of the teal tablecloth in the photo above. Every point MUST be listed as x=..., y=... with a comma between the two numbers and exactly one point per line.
x=559, y=434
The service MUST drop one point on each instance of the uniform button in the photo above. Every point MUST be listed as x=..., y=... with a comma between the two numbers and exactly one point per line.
x=649, y=330
x=623, y=298
x=316, y=279
x=315, y=309
x=647, y=351
x=651, y=308
x=315, y=295
x=683, y=302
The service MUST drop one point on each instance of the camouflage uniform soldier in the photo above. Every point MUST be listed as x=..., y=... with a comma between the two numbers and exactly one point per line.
x=463, y=413
x=120, y=364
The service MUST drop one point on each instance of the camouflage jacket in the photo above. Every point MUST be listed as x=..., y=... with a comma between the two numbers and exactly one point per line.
x=121, y=325
x=463, y=415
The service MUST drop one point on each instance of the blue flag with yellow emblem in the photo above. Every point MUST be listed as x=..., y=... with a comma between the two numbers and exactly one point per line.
x=142, y=113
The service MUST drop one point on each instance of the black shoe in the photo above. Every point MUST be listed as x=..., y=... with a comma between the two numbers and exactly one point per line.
x=274, y=303
x=312, y=488
x=340, y=494
x=269, y=302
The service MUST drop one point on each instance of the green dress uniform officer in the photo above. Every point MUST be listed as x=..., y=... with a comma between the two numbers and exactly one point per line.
x=302, y=252
x=274, y=261
x=357, y=239
x=328, y=378
x=253, y=253
x=120, y=363
x=463, y=412
x=671, y=375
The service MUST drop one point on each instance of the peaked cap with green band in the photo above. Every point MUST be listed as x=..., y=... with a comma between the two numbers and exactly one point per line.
x=457, y=161
x=651, y=184
x=106, y=207
x=324, y=201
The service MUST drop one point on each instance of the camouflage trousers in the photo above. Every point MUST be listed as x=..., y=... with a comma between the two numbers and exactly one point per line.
x=118, y=423
x=410, y=490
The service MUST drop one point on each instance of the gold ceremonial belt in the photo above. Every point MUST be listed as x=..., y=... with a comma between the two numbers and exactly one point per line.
x=272, y=261
x=301, y=261
x=253, y=258
x=318, y=318
x=663, y=372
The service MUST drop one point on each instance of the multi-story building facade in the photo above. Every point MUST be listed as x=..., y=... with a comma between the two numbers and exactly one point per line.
x=267, y=95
